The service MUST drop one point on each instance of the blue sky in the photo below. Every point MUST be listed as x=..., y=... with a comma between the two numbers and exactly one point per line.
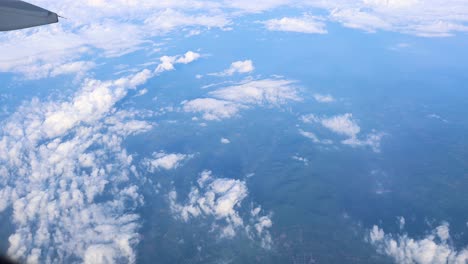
x=343, y=76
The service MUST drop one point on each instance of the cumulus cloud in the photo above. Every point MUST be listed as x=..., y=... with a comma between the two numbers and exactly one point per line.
x=306, y=24
x=51, y=179
x=342, y=124
x=97, y=98
x=162, y=160
x=434, y=248
x=212, y=109
x=227, y=102
x=167, y=62
x=347, y=126
x=68, y=179
x=222, y=199
x=188, y=57
x=237, y=67
x=225, y=141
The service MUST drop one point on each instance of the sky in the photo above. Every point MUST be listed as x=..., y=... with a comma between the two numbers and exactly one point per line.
x=124, y=103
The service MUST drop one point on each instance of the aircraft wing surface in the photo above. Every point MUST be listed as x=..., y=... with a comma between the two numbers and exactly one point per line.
x=16, y=14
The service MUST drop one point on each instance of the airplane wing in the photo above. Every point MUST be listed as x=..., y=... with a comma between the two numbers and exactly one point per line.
x=16, y=14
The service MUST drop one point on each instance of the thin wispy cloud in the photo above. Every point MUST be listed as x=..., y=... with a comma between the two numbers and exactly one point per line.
x=324, y=98
x=305, y=24
x=314, y=137
x=227, y=102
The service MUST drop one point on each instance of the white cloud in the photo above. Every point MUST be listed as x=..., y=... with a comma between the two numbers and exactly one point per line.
x=344, y=125
x=259, y=92
x=301, y=159
x=310, y=118
x=141, y=92
x=324, y=98
x=222, y=199
x=170, y=19
x=162, y=160
x=309, y=135
x=104, y=29
x=401, y=222
x=167, y=62
x=355, y=18
x=34, y=54
x=56, y=159
x=95, y=100
x=443, y=232
x=306, y=24
x=421, y=18
x=261, y=225
x=371, y=140
x=227, y=102
x=432, y=249
x=188, y=57
x=257, y=6
x=77, y=67
x=52, y=177
x=212, y=109
x=120, y=28
x=225, y=141
x=437, y=29
x=392, y=4
x=437, y=117
x=314, y=137
x=237, y=67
